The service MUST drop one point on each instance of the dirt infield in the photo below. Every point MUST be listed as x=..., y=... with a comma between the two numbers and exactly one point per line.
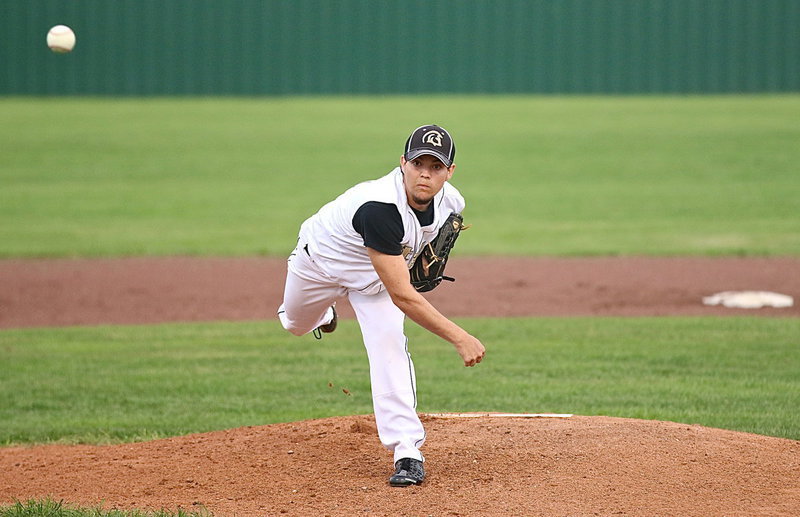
x=476, y=466
x=148, y=290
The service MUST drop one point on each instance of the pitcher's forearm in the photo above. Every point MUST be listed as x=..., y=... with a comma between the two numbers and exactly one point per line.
x=416, y=307
x=393, y=272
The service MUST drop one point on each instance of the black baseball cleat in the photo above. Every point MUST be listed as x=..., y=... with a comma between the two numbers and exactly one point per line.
x=408, y=471
x=328, y=327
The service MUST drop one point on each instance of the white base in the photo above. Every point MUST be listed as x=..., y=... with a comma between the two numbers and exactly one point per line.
x=749, y=299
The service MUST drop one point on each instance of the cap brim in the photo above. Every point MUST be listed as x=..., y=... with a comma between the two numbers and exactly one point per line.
x=419, y=152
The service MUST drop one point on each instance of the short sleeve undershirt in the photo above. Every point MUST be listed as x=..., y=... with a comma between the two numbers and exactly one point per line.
x=425, y=217
x=381, y=227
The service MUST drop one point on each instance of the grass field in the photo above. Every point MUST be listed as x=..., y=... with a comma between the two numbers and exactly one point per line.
x=542, y=175
x=51, y=508
x=711, y=175
x=109, y=384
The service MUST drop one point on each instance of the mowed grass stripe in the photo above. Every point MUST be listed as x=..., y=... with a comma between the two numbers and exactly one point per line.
x=541, y=175
x=111, y=384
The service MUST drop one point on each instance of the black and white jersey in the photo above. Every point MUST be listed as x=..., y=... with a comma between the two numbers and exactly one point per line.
x=373, y=214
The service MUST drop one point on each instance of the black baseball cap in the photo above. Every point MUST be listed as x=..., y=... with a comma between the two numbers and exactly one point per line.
x=432, y=140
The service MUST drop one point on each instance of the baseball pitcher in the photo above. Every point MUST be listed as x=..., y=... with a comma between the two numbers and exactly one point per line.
x=380, y=244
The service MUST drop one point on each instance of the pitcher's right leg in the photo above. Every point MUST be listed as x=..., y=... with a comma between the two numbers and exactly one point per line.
x=392, y=374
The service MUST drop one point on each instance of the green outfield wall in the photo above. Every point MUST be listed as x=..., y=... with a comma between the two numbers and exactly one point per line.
x=281, y=47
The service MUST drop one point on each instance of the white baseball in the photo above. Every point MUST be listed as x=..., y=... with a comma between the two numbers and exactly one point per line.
x=61, y=39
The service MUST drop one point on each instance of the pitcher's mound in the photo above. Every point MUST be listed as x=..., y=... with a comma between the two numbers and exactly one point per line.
x=481, y=465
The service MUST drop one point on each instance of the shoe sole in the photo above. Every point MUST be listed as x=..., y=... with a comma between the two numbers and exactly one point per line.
x=330, y=327
x=403, y=482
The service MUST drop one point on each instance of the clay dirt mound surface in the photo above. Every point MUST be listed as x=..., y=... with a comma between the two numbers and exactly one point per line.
x=476, y=466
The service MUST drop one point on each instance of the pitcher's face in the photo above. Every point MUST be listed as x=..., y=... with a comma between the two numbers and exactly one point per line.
x=424, y=177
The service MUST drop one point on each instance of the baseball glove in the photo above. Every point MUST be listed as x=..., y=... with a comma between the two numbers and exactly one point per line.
x=427, y=271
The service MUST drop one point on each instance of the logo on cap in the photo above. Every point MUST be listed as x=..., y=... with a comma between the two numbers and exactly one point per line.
x=433, y=138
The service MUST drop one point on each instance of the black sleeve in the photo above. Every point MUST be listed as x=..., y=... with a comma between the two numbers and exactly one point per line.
x=381, y=227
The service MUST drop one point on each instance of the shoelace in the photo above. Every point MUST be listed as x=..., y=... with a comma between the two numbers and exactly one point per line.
x=411, y=467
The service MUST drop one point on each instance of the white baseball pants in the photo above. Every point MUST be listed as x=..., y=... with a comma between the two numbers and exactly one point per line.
x=307, y=298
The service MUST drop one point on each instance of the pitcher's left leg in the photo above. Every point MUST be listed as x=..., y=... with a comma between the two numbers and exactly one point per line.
x=307, y=296
x=392, y=375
